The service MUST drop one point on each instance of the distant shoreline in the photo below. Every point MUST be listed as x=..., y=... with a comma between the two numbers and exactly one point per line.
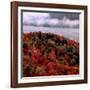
x=71, y=33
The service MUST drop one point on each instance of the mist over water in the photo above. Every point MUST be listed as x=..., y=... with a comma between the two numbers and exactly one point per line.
x=70, y=33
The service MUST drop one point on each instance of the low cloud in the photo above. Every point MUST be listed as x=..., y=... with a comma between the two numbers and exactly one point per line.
x=44, y=19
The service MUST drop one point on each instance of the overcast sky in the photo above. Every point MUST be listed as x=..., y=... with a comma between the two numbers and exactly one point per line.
x=70, y=16
x=53, y=18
